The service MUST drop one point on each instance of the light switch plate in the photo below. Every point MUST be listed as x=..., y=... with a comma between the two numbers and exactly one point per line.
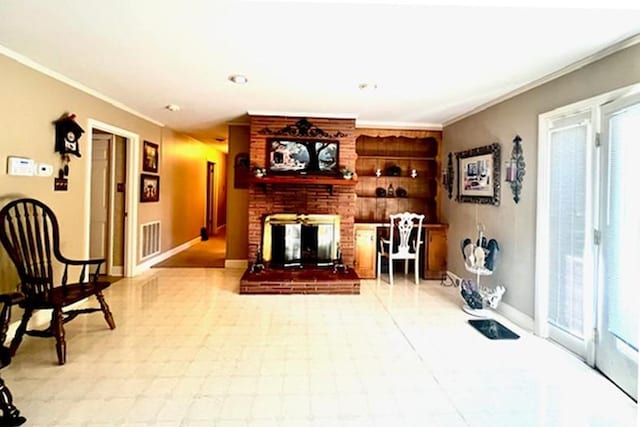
x=44, y=170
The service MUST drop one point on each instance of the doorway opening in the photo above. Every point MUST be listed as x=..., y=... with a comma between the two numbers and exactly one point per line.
x=107, y=204
x=216, y=208
x=110, y=207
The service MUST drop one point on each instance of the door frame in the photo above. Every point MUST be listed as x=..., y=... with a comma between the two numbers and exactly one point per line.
x=541, y=291
x=131, y=208
x=110, y=212
x=611, y=368
x=211, y=202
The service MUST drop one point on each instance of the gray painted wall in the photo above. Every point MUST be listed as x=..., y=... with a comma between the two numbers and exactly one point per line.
x=514, y=226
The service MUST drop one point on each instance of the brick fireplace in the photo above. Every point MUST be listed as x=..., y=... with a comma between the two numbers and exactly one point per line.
x=303, y=198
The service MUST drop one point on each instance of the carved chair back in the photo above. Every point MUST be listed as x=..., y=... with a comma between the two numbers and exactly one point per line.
x=405, y=223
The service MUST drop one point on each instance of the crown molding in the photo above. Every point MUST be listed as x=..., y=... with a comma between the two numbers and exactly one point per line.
x=397, y=125
x=28, y=62
x=303, y=114
x=603, y=53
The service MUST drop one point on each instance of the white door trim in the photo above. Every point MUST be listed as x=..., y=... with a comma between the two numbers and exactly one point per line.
x=112, y=201
x=131, y=207
x=541, y=292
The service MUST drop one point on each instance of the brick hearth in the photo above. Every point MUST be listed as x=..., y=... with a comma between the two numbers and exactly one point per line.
x=300, y=281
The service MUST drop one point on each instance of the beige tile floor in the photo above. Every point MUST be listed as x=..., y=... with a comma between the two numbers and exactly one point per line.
x=190, y=351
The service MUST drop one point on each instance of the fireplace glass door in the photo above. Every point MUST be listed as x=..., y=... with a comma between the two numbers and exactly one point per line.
x=295, y=245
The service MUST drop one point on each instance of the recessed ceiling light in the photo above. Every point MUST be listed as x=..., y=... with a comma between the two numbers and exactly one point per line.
x=173, y=107
x=368, y=86
x=238, y=79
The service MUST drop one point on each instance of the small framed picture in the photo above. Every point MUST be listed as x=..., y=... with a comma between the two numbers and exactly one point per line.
x=149, y=188
x=150, y=157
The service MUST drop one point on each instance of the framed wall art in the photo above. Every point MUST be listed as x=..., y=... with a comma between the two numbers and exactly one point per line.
x=149, y=188
x=150, y=157
x=478, y=176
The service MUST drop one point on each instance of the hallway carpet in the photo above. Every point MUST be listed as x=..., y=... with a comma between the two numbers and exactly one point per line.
x=209, y=253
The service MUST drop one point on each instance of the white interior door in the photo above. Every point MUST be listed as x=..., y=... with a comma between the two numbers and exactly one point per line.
x=99, y=223
x=618, y=297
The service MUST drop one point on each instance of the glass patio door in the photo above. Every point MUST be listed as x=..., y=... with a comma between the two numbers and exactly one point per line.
x=570, y=248
x=618, y=311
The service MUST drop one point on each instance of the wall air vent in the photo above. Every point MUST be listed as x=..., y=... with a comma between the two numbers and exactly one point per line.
x=150, y=239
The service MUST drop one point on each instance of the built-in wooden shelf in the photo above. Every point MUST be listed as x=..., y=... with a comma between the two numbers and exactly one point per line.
x=395, y=157
x=328, y=181
x=386, y=199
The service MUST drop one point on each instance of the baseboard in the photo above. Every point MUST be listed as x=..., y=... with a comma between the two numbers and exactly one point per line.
x=236, y=263
x=147, y=264
x=117, y=271
x=516, y=316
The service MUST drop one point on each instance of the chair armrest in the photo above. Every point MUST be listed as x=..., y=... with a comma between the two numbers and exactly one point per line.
x=81, y=261
x=383, y=242
x=11, y=298
x=84, y=263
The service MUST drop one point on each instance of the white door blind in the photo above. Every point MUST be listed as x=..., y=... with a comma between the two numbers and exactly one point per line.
x=621, y=232
x=569, y=140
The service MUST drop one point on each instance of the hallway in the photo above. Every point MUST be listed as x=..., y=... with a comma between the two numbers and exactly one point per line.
x=209, y=253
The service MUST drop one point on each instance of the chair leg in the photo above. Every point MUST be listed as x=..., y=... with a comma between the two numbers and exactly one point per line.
x=10, y=414
x=406, y=267
x=379, y=266
x=57, y=327
x=105, y=310
x=390, y=270
x=416, y=271
x=22, y=328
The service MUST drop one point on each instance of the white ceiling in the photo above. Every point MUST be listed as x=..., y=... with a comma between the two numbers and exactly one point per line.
x=432, y=61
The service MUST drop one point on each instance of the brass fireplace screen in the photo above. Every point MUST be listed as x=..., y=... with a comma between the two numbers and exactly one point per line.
x=291, y=240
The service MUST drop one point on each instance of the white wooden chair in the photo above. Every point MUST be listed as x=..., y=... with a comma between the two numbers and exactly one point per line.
x=408, y=247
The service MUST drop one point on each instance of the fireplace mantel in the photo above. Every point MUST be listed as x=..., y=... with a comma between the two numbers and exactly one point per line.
x=328, y=181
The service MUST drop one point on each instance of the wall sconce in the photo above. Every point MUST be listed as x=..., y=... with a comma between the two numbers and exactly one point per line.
x=515, y=169
x=447, y=177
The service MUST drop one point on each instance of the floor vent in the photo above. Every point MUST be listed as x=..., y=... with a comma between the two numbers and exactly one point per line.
x=150, y=239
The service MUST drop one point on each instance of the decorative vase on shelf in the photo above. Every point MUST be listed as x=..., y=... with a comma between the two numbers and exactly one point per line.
x=394, y=170
x=346, y=173
x=390, y=191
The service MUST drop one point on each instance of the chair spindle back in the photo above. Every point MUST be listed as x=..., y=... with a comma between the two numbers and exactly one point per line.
x=29, y=233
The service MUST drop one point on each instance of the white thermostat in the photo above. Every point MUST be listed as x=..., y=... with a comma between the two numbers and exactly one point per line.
x=20, y=166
